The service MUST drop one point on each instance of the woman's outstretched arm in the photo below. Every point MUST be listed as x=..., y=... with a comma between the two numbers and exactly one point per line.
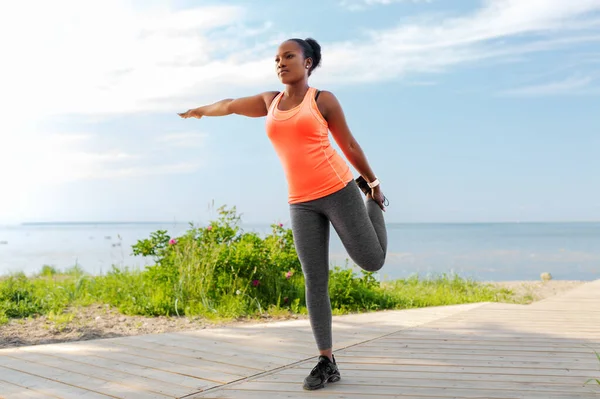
x=253, y=106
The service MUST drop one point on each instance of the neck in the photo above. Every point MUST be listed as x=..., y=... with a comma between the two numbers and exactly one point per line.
x=297, y=89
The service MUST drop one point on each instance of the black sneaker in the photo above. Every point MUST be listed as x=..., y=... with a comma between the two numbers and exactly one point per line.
x=325, y=371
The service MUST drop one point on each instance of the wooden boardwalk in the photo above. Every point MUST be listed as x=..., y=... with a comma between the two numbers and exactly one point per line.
x=490, y=350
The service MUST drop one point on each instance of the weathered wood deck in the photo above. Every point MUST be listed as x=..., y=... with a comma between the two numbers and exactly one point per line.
x=543, y=350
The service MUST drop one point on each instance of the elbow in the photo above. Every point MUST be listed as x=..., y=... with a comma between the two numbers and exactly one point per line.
x=353, y=151
x=228, y=106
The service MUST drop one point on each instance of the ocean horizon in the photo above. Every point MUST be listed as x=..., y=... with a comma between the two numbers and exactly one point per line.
x=485, y=251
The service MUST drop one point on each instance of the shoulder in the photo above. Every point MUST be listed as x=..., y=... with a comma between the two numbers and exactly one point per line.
x=269, y=96
x=328, y=103
x=327, y=99
x=325, y=95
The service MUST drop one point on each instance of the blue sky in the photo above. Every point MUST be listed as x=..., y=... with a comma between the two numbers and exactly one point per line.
x=469, y=111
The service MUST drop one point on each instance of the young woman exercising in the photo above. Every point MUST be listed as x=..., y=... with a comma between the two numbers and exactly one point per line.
x=321, y=188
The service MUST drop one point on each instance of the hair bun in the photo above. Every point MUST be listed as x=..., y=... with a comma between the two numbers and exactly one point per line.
x=316, y=48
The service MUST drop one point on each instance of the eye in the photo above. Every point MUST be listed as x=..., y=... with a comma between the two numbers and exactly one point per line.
x=289, y=56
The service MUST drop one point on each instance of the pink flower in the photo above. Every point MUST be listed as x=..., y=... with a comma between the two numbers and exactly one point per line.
x=209, y=228
x=172, y=241
x=289, y=274
x=280, y=224
x=255, y=283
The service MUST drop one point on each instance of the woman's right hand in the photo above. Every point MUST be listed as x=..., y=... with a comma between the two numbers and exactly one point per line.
x=378, y=197
x=191, y=113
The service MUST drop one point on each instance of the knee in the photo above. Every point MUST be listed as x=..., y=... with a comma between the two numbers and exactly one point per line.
x=373, y=265
x=316, y=286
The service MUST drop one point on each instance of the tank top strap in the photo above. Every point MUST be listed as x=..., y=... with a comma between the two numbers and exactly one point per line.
x=310, y=95
x=274, y=102
x=307, y=101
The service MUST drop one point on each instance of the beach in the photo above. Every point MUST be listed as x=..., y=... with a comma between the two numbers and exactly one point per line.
x=102, y=321
x=506, y=256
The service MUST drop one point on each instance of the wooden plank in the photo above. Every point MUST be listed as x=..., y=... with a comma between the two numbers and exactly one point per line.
x=110, y=350
x=451, y=373
x=387, y=390
x=400, y=383
x=531, y=323
x=465, y=351
x=222, y=349
x=159, y=375
x=129, y=378
x=203, y=371
x=472, y=341
x=445, y=367
x=79, y=381
x=294, y=347
x=11, y=391
x=488, y=332
x=244, y=394
x=468, y=335
x=392, y=351
x=237, y=364
x=33, y=383
x=466, y=361
x=491, y=345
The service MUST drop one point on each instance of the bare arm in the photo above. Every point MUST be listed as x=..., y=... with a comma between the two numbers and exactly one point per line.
x=253, y=106
x=334, y=115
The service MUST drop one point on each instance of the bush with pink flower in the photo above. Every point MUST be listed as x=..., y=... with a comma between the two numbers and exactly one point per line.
x=220, y=268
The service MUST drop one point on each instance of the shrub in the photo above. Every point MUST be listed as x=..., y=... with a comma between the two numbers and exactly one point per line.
x=221, y=271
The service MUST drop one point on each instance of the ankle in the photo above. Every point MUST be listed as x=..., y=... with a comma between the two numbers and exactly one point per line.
x=327, y=353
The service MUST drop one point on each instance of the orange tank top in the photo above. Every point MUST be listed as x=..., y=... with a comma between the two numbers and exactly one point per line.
x=300, y=136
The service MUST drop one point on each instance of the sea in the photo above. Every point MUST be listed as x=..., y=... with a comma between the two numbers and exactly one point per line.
x=479, y=251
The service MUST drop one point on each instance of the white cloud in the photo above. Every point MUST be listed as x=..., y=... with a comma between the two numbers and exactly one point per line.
x=360, y=5
x=71, y=57
x=76, y=57
x=571, y=85
x=110, y=57
x=433, y=43
x=31, y=164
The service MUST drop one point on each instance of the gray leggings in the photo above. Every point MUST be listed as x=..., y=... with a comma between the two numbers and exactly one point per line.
x=362, y=231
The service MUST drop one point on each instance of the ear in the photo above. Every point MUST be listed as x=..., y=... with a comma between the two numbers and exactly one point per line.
x=308, y=63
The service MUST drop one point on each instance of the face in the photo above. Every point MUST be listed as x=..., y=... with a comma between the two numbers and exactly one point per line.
x=290, y=63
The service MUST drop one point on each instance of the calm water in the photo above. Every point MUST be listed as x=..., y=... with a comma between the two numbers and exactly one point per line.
x=492, y=252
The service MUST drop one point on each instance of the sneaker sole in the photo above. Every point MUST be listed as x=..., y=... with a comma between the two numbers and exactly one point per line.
x=332, y=379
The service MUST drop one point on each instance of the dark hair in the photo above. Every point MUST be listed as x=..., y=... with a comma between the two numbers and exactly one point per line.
x=311, y=49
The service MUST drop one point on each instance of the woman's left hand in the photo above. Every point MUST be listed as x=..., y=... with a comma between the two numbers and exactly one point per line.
x=378, y=196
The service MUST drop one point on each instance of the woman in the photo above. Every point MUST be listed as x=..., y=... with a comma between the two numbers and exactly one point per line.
x=321, y=188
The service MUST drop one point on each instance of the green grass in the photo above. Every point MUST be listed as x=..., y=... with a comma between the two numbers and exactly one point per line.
x=594, y=380
x=444, y=289
x=220, y=272
x=135, y=292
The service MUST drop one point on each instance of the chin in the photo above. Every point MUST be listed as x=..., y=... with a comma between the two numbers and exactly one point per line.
x=286, y=80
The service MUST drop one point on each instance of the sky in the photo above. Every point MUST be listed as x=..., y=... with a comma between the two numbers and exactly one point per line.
x=468, y=111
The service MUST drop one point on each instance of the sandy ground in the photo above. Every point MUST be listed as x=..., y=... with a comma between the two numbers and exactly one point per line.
x=103, y=322
x=531, y=291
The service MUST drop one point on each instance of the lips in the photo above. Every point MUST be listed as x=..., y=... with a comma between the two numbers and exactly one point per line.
x=283, y=71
